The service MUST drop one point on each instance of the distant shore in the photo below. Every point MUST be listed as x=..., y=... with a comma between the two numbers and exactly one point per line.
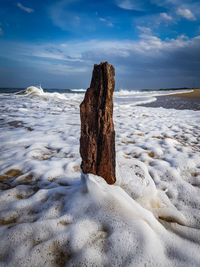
x=179, y=101
x=194, y=94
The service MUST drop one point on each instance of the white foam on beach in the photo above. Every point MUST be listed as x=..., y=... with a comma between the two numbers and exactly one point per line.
x=151, y=92
x=52, y=215
x=127, y=97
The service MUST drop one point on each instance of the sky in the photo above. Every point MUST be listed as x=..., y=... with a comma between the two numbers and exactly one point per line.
x=55, y=43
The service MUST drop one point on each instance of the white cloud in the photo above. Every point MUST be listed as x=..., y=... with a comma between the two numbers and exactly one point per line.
x=1, y=31
x=62, y=69
x=26, y=9
x=146, y=30
x=44, y=54
x=167, y=3
x=126, y=4
x=109, y=24
x=102, y=19
x=78, y=52
x=49, y=55
x=132, y=58
x=166, y=16
x=84, y=52
x=185, y=13
x=131, y=5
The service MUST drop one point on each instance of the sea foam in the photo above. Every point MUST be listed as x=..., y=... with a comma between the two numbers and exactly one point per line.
x=51, y=214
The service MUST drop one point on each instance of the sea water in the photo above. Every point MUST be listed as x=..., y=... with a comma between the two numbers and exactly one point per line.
x=51, y=214
x=133, y=97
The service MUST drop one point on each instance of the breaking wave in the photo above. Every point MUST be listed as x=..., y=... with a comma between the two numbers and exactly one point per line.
x=38, y=92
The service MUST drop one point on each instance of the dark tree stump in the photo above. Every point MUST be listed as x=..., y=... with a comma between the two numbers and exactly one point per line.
x=97, y=142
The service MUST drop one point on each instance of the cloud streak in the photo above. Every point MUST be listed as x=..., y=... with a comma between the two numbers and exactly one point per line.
x=146, y=30
x=126, y=4
x=166, y=16
x=185, y=13
x=26, y=9
x=136, y=5
x=107, y=22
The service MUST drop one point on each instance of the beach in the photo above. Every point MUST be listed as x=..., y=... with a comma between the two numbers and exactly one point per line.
x=51, y=214
x=100, y=133
x=179, y=101
x=194, y=94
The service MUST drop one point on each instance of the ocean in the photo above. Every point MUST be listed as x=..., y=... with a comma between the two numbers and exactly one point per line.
x=133, y=97
x=51, y=214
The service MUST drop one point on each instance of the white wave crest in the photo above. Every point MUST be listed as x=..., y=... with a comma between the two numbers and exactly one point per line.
x=125, y=92
x=78, y=90
x=38, y=92
x=134, y=100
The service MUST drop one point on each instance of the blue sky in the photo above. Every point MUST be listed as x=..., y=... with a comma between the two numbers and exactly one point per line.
x=152, y=44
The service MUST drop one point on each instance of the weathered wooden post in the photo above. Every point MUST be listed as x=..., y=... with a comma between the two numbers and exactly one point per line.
x=97, y=141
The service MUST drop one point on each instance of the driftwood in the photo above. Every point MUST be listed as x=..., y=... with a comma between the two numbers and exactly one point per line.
x=97, y=141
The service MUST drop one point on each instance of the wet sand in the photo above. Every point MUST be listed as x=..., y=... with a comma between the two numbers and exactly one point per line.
x=178, y=101
x=194, y=94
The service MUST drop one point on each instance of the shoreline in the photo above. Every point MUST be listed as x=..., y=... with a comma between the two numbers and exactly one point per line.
x=178, y=101
x=194, y=94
